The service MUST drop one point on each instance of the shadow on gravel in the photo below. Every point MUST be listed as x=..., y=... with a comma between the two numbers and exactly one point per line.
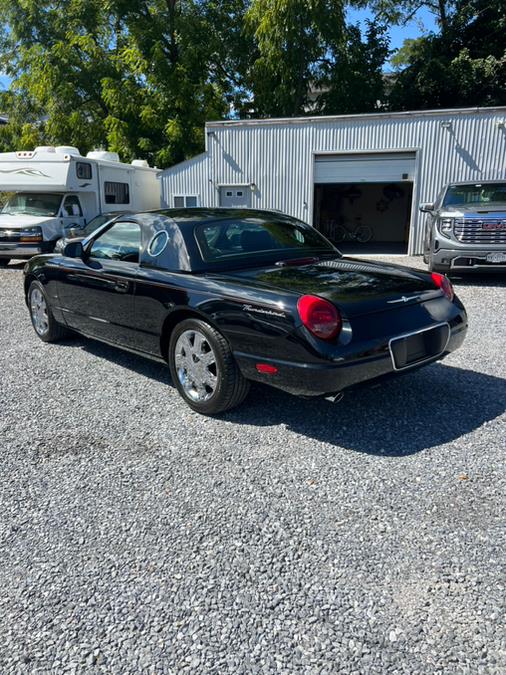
x=138, y=364
x=435, y=405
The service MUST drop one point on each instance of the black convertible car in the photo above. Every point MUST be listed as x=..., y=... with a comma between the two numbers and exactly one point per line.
x=226, y=296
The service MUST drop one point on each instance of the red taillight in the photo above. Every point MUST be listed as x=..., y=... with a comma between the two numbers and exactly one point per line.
x=444, y=284
x=319, y=316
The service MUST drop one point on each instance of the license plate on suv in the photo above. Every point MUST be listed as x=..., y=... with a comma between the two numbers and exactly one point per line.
x=496, y=257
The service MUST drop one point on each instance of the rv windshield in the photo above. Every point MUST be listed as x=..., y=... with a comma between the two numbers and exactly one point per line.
x=33, y=204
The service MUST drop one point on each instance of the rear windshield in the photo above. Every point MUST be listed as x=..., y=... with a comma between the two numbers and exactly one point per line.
x=480, y=194
x=263, y=237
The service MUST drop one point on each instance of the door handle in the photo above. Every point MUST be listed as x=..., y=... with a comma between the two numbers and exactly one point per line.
x=122, y=286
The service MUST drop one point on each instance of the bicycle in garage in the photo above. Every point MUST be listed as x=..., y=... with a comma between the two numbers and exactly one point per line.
x=340, y=233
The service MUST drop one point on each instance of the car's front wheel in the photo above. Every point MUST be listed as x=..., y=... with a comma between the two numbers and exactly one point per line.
x=203, y=368
x=41, y=315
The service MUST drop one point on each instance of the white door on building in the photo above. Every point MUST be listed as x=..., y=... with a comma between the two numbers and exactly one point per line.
x=376, y=167
x=237, y=196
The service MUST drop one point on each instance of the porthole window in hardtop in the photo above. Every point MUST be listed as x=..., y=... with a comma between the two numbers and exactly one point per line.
x=122, y=241
x=158, y=243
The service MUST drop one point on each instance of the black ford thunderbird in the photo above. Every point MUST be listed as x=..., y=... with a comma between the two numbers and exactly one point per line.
x=226, y=296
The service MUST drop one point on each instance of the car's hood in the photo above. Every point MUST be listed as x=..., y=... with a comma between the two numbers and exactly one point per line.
x=355, y=286
x=481, y=211
x=21, y=221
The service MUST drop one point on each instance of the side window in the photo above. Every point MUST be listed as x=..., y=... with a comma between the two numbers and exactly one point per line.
x=116, y=193
x=72, y=207
x=83, y=170
x=122, y=241
x=188, y=201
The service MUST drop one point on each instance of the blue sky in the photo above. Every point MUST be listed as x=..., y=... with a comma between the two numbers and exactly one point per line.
x=422, y=23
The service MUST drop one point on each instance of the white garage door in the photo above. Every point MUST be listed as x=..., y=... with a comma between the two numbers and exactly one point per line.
x=378, y=167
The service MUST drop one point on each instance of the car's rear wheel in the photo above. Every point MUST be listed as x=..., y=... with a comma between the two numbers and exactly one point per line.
x=41, y=315
x=203, y=368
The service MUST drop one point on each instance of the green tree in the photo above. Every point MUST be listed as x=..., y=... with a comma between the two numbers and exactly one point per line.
x=140, y=77
x=352, y=81
x=463, y=66
x=308, y=59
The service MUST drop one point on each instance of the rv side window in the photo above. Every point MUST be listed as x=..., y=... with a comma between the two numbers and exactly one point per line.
x=83, y=170
x=116, y=193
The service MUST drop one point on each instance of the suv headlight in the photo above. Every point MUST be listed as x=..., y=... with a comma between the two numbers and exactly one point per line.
x=445, y=226
x=30, y=234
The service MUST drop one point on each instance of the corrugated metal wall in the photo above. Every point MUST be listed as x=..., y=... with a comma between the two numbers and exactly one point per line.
x=277, y=156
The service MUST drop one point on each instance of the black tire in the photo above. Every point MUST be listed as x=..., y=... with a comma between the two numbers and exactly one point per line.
x=231, y=386
x=4, y=262
x=54, y=330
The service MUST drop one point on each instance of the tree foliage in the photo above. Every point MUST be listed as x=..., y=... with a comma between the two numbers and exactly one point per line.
x=142, y=76
x=464, y=65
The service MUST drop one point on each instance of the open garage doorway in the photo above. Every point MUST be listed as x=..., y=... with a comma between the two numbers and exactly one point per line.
x=365, y=217
x=363, y=202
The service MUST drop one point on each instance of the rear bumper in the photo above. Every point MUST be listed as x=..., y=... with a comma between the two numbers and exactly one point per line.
x=19, y=250
x=368, y=361
x=467, y=259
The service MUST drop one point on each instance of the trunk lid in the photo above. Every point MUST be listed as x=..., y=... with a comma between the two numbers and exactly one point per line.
x=353, y=285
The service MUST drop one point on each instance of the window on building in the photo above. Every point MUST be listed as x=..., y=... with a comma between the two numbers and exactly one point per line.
x=83, y=170
x=116, y=193
x=185, y=201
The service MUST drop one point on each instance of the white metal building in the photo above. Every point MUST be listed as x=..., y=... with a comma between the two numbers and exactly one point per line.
x=343, y=170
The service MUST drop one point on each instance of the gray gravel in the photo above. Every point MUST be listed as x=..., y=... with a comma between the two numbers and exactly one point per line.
x=288, y=536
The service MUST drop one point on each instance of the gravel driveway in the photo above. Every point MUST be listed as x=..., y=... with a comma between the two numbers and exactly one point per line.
x=286, y=537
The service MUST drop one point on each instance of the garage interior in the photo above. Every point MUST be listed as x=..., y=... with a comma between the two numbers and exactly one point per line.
x=363, y=203
x=341, y=209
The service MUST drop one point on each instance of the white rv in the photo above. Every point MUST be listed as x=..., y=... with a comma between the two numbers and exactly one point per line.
x=51, y=190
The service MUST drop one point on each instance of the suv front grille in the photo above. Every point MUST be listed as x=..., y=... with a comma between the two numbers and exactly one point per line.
x=476, y=231
x=9, y=235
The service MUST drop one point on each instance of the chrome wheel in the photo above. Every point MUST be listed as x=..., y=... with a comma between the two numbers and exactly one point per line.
x=38, y=308
x=196, y=365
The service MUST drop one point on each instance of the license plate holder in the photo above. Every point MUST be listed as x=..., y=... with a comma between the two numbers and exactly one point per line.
x=497, y=257
x=414, y=348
